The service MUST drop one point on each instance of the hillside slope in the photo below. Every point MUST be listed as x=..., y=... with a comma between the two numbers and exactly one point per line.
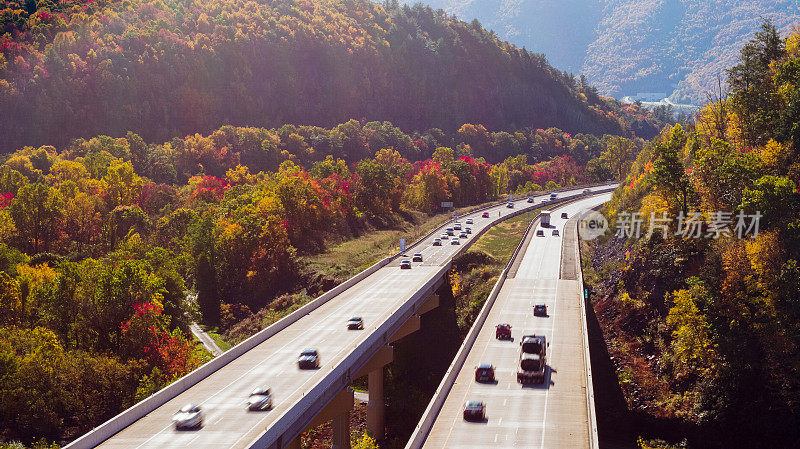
x=626, y=47
x=702, y=318
x=167, y=68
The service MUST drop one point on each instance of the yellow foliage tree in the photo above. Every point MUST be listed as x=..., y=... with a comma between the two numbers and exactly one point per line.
x=691, y=341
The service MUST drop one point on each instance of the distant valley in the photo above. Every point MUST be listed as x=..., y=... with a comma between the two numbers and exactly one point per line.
x=658, y=48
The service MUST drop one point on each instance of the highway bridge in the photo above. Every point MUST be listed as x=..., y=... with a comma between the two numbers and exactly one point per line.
x=389, y=299
x=560, y=412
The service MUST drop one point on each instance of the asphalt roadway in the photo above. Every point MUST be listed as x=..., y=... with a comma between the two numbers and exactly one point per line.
x=552, y=415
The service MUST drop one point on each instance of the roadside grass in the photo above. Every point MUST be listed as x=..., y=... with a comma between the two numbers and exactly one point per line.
x=218, y=338
x=501, y=241
x=348, y=258
x=476, y=271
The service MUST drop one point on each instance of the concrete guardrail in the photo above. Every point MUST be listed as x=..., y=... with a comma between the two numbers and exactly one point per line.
x=594, y=441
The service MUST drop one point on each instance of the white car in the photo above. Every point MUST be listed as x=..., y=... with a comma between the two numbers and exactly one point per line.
x=469, y=221
x=190, y=416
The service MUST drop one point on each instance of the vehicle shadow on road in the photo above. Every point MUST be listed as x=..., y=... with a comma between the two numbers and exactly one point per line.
x=485, y=420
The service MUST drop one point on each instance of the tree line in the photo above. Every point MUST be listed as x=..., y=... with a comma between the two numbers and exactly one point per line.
x=707, y=331
x=164, y=68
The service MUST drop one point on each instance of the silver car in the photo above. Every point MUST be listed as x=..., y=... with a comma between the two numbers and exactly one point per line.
x=190, y=416
x=260, y=399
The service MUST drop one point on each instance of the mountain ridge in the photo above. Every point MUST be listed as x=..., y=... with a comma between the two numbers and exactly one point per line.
x=163, y=69
x=627, y=47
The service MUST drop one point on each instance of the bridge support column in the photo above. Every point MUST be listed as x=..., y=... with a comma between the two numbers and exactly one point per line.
x=375, y=406
x=340, y=428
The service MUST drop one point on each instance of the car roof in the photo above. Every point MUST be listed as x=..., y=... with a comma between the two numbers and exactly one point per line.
x=540, y=305
x=474, y=403
x=417, y=254
x=484, y=365
x=190, y=408
x=405, y=261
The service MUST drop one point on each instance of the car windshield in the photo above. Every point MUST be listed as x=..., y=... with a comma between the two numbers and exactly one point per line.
x=189, y=408
x=417, y=254
x=355, y=318
x=309, y=352
x=474, y=404
x=531, y=346
x=484, y=366
x=260, y=392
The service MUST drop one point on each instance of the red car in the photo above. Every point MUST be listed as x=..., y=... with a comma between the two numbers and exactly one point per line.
x=503, y=331
x=485, y=215
x=484, y=373
x=540, y=310
x=474, y=411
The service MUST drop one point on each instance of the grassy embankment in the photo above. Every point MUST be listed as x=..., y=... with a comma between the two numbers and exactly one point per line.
x=475, y=272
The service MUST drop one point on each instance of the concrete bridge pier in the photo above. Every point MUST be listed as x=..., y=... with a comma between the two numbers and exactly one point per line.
x=341, y=431
x=338, y=412
x=376, y=408
x=373, y=369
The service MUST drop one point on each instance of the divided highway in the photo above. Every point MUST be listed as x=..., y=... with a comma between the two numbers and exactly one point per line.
x=223, y=393
x=554, y=414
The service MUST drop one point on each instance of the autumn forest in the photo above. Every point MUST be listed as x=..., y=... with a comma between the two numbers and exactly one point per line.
x=164, y=162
